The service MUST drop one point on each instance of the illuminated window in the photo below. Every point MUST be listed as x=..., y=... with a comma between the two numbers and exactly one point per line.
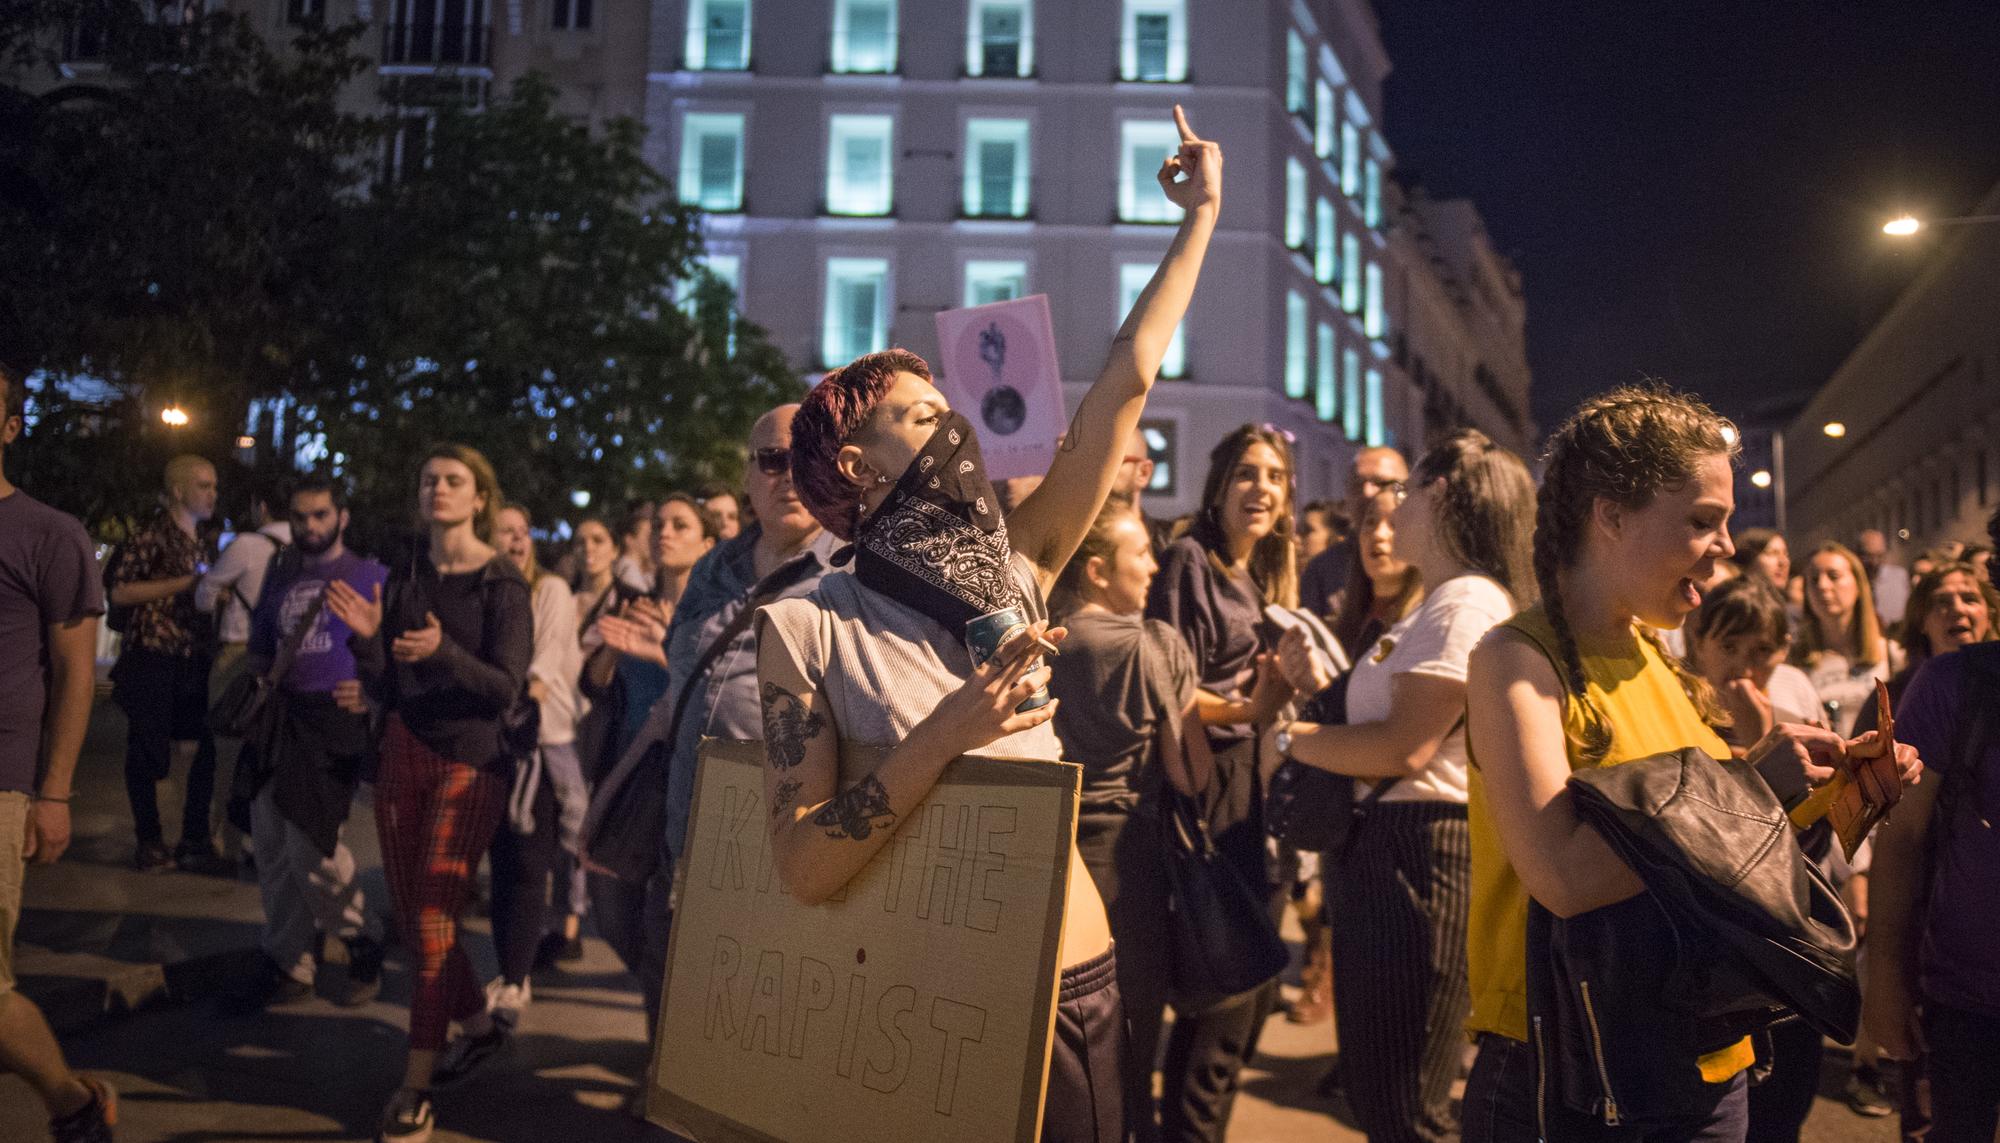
x=1326, y=392
x=1296, y=208
x=712, y=161
x=857, y=309
x=1323, y=242
x=1350, y=160
x=1297, y=365
x=1153, y=48
x=1371, y=194
x=718, y=35
x=1377, y=433
x=864, y=36
x=1350, y=272
x=994, y=282
x=1132, y=279
x=999, y=38
x=1145, y=144
x=1325, y=121
x=1162, y=445
x=1374, y=321
x=1298, y=76
x=1350, y=395
x=996, y=168
x=857, y=164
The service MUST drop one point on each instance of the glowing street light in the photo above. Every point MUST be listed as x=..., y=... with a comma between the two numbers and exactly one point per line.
x=1834, y=429
x=1761, y=478
x=1905, y=225
x=1902, y=227
x=174, y=417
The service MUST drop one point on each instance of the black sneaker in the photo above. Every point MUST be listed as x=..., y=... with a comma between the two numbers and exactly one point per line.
x=364, y=972
x=152, y=857
x=408, y=1118
x=200, y=857
x=91, y=1123
x=268, y=987
x=1867, y=1094
x=467, y=1054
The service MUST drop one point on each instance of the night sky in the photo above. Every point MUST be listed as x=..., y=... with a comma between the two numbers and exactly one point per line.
x=1695, y=191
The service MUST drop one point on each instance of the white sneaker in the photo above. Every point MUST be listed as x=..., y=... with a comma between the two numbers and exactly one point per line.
x=505, y=1002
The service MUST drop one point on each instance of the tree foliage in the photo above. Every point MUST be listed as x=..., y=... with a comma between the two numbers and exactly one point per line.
x=211, y=227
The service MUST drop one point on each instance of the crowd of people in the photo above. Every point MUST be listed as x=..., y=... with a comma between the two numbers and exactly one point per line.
x=1508, y=638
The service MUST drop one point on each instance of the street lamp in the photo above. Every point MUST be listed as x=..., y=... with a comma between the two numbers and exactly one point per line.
x=1761, y=478
x=174, y=417
x=1834, y=429
x=1908, y=224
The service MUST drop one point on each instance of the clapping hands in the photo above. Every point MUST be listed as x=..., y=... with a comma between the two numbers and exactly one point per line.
x=1192, y=176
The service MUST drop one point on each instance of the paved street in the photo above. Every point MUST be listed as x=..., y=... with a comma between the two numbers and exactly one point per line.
x=314, y=1071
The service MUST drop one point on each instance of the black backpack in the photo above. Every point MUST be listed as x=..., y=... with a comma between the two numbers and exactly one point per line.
x=116, y=617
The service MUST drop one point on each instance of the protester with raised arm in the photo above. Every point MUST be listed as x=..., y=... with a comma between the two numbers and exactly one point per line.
x=879, y=657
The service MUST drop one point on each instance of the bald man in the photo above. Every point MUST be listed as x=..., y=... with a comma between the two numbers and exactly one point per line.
x=1325, y=576
x=161, y=679
x=1135, y=475
x=780, y=554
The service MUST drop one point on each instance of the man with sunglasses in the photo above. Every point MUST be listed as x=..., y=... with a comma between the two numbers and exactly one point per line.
x=781, y=554
x=1374, y=470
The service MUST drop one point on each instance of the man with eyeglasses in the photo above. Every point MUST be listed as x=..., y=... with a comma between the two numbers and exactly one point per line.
x=1135, y=475
x=1375, y=470
x=781, y=552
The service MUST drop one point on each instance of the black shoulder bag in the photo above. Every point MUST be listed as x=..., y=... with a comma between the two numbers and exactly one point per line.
x=1222, y=941
x=628, y=815
x=245, y=709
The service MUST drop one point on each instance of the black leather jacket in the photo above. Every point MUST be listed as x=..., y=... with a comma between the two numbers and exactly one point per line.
x=1737, y=932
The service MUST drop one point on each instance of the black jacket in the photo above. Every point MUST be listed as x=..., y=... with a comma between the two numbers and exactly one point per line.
x=1737, y=932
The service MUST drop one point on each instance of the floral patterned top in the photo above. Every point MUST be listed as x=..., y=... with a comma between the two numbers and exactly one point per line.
x=161, y=550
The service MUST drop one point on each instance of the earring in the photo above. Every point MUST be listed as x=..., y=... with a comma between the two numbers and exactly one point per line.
x=881, y=480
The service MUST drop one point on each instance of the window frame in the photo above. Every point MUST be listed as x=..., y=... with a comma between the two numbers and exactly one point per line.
x=1135, y=186
x=696, y=58
x=831, y=267
x=980, y=129
x=1174, y=68
x=1298, y=346
x=975, y=39
x=836, y=162
x=1326, y=375
x=839, y=58
x=974, y=270
x=1326, y=238
x=693, y=122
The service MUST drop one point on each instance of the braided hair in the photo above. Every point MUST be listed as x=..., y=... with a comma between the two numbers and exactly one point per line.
x=1626, y=446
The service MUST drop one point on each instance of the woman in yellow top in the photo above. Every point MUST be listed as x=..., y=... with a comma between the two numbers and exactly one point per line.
x=1632, y=515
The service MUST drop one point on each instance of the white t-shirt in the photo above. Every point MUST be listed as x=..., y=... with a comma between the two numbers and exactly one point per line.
x=1793, y=698
x=1436, y=639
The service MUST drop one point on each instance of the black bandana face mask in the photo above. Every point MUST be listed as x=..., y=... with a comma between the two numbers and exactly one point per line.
x=938, y=543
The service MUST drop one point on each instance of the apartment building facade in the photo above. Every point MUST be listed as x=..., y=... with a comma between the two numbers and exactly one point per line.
x=867, y=163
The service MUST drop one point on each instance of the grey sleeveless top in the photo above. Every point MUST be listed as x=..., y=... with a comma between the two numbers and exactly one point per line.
x=881, y=667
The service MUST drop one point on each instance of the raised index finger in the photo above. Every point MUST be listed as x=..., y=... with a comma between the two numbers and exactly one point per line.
x=1180, y=121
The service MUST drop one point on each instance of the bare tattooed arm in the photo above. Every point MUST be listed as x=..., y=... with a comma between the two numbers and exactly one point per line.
x=822, y=835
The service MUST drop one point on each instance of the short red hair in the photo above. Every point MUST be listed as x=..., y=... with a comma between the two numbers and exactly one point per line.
x=831, y=414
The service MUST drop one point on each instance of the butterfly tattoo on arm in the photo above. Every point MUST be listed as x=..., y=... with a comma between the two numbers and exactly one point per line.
x=788, y=726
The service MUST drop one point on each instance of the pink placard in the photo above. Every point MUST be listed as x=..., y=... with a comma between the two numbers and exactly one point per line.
x=1000, y=370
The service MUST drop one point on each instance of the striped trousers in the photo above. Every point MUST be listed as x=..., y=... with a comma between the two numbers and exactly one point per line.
x=435, y=817
x=1397, y=906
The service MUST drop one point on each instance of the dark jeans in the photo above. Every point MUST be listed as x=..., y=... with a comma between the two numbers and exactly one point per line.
x=1501, y=1107
x=165, y=700
x=1779, y=1105
x=1206, y=1051
x=1122, y=852
x=524, y=867
x=1963, y=1062
x=635, y=921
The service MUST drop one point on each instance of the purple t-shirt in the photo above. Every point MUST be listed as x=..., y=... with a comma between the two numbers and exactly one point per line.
x=1960, y=966
x=48, y=575
x=323, y=658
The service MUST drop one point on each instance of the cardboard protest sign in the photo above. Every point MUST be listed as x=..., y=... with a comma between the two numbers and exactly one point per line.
x=917, y=1006
x=1000, y=370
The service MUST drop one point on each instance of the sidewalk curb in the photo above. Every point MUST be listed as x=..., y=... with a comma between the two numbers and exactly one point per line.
x=73, y=1003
